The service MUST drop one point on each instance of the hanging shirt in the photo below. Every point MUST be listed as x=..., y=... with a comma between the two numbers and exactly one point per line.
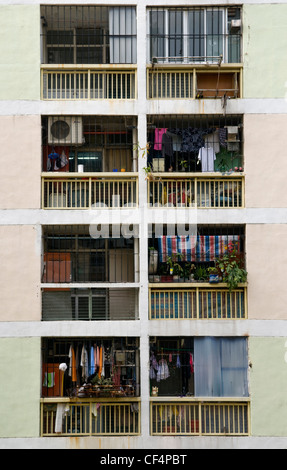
x=212, y=140
x=72, y=367
x=92, y=361
x=163, y=370
x=207, y=157
x=84, y=363
x=158, y=138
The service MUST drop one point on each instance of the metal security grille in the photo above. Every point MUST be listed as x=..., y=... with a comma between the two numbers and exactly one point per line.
x=89, y=144
x=194, y=35
x=88, y=35
x=90, y=304
x=73, y=255
x=192, y=250
x=69, y=364
x=175, y=143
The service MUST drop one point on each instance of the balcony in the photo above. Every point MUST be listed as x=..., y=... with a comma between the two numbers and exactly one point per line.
x=195, y=161
x=88, y=53
x=85, y=370
x=165, y=81
x=88, y=83
x=197, y=275
x=201, y=417
x=89, y=162
x=199, y=386
x=89, y=275
x=100, y=417
x=196, y=190
x=88, y=191
x=197, y=302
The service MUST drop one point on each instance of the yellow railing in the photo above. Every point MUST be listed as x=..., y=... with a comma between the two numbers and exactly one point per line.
x=196, y=190
x=79, y=83
x=170, y=84
x=87, y=417
x=200, y=417
x=183, y=81
x=88, y=190
x=198, y=301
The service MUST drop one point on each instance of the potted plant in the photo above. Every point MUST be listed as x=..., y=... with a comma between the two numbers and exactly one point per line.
x=178, y=273
x=232, y=268
x=183, y=165
x=188, y=271
x=164, y=272
x=214, y=273
x=175, y=269
x=201, y=274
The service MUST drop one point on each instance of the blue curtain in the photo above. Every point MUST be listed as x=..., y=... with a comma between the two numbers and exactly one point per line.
x=221, y=366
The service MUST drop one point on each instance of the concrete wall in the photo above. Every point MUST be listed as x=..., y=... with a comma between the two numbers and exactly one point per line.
x=20, y=273
x=20, y=143
x=20, y=368
x=265, y=160
x=19, y=52
x=264, y=49
x=267, y=271
x=268, y=384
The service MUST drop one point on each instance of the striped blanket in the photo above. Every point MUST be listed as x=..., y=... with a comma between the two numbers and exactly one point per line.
x=196, y=247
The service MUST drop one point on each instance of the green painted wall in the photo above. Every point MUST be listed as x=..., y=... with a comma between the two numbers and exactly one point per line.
x=264, y=51
x=20, y=367
x=19, y=52
x=268, y=386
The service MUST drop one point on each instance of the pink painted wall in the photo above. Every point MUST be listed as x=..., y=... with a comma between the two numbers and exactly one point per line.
x=20, y=144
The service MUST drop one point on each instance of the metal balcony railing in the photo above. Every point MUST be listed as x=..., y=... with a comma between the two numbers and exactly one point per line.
x=197, y=302
x=75, y=191
x=200, y=417
x=103, y=417
x=88, y=84
x=196, y=190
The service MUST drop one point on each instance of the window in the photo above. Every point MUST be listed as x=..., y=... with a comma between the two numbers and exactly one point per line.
x=88, y=34
x=193, y=35
x=90, y=363
x=200, y=367
x=72, y=254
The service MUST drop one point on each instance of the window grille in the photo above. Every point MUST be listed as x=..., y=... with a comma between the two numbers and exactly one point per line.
x=175, y=141
x=95, y=143
x=88, y=35
x=90, y=304
x=72, y=254
x=194, y=35
x=200, y=245
x=95, y=361
x=199, y=367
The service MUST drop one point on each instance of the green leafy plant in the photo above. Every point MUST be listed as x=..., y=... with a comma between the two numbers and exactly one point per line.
x=201, y=273
x=213, y=270
x=183, y=164
x=188, y=269
x=174, y=267
x=231, y=265
x=101, y=380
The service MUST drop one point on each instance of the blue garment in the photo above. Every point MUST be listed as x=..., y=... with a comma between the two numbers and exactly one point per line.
x=92, y=362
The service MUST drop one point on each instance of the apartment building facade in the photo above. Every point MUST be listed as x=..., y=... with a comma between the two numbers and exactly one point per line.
x=143, y=224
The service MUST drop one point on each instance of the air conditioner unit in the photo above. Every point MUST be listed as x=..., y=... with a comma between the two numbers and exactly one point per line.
x=235, y=26
x=65, y=130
